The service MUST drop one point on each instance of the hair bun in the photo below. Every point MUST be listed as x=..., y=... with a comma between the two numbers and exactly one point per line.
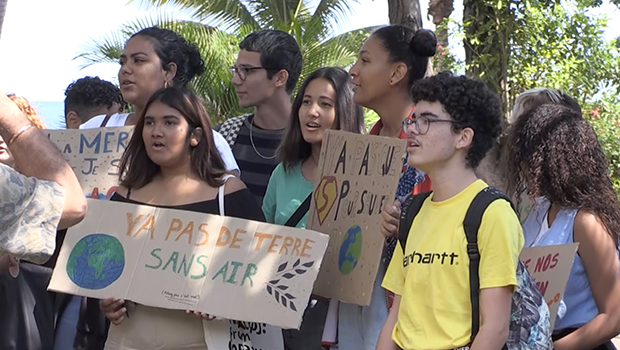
x=424, y=43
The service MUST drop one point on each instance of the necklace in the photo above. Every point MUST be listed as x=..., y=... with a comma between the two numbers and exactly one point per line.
x=252, y=142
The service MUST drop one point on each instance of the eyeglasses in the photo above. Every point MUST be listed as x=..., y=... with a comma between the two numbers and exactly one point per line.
x=243, y=71
x=422, y=124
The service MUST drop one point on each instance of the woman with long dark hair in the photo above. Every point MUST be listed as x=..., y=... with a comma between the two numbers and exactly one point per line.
x=171, y=162
x=324, y=101
x=554, y=156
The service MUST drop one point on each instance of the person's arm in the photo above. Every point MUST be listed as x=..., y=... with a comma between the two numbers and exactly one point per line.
x=385, y=341
x=35, y=156
x=600, y=260
x=495, y=318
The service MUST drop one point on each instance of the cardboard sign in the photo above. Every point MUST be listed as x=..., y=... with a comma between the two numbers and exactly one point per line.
x=550, y=267
x=238, y=335
x=228, y=267
x=358, y=176
x=94, y=155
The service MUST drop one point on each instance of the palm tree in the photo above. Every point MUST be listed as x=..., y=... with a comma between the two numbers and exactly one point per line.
x=217, y=26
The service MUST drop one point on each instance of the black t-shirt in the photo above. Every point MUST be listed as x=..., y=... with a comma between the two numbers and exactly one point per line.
x=239, y=204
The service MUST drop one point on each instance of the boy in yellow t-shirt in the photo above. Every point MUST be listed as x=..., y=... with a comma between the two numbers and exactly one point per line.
x=456, y=121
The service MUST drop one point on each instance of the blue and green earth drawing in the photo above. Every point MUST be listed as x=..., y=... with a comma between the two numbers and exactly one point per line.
x=350, y=250
x=96, y=261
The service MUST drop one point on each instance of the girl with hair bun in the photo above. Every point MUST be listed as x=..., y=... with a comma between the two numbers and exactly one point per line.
x=391, y=60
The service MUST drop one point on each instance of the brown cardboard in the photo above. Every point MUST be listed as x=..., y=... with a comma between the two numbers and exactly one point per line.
x=94, y=155
x=358, y=177
x=550, y=267
x=228, y=267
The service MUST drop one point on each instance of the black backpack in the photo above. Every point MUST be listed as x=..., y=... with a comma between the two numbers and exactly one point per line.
x=529, y=314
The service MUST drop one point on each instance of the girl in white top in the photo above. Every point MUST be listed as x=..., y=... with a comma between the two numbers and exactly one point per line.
x=155, y=58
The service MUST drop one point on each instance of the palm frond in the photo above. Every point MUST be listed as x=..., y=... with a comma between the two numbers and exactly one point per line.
x=226, y=14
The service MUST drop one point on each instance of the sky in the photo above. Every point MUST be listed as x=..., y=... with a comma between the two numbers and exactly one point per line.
x=40, y=39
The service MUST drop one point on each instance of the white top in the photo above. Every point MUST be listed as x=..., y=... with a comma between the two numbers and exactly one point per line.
x=119, y=119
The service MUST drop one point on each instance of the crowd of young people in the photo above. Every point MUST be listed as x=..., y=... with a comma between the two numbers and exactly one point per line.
x=547, y=160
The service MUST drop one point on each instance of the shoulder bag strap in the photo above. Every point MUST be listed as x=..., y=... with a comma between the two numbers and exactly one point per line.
x=106, y=120
x=300, y=212
x=411, y=208
x=471, y=224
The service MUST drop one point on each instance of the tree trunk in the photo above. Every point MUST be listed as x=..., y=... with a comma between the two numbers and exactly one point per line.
x=3, y=4
x=441, y=10
x=405, y=12
x=487, y=48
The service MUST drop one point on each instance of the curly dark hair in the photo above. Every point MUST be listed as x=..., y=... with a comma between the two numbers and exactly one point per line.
x=470, y=104
x=555, y=153
x=88, y=93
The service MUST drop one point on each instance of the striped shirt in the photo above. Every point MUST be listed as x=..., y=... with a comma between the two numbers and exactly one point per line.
x=255, y=170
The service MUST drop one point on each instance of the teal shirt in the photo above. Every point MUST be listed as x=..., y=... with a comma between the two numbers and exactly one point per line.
x=285, y=193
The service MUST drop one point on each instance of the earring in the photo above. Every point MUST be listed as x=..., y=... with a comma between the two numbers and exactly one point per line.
x=166, y=85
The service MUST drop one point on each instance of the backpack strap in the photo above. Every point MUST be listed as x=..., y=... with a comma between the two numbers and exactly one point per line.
x=471, y=224
x=230, y=129
x=105, y=121
x=411, y=208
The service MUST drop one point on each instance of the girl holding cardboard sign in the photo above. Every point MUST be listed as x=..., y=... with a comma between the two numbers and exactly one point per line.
x=324, y=101
x=554, y=155
x=171, y=161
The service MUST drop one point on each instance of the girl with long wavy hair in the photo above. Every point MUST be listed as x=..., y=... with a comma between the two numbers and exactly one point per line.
x=555, y=157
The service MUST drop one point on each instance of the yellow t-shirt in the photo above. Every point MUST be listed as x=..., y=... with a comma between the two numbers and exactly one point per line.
x=432, y=277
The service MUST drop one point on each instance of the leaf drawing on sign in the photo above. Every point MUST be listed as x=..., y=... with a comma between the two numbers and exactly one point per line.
x=278, y=285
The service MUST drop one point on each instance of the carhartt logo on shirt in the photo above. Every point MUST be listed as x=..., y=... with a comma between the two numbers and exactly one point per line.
x=430, y=258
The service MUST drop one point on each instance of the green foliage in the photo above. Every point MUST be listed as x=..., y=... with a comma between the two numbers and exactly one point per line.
x=518, y=45
x=370, y=117
x=232, y=20
x=604, y=116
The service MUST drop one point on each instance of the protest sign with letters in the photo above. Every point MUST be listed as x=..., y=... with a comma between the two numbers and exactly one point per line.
x=358, y=177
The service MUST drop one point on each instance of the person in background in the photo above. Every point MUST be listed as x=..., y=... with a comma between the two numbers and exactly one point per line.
x=265, y=74
x=171, y=161
x=324, y=101
x=492, y=169
x=555, y=157
x=455, y=123
x=88, y=97
x=391, y=60
x=43, y=196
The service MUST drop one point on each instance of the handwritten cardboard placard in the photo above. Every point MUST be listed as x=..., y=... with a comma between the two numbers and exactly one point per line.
x=228, y=267
x=94, y=155
x=358, y=176
x=238, y=335
x=550, y=267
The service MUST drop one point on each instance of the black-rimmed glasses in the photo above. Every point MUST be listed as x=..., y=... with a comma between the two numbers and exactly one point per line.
x=422, y=124
x=243, y=71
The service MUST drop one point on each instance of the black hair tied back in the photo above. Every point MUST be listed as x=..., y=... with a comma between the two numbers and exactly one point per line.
x=424, y=43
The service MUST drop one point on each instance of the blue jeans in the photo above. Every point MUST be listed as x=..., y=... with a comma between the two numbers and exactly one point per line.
x=66, y=327
x=359, y=326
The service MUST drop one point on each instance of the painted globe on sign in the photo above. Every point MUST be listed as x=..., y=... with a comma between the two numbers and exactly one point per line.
x=350, y=250
x=96, y=261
